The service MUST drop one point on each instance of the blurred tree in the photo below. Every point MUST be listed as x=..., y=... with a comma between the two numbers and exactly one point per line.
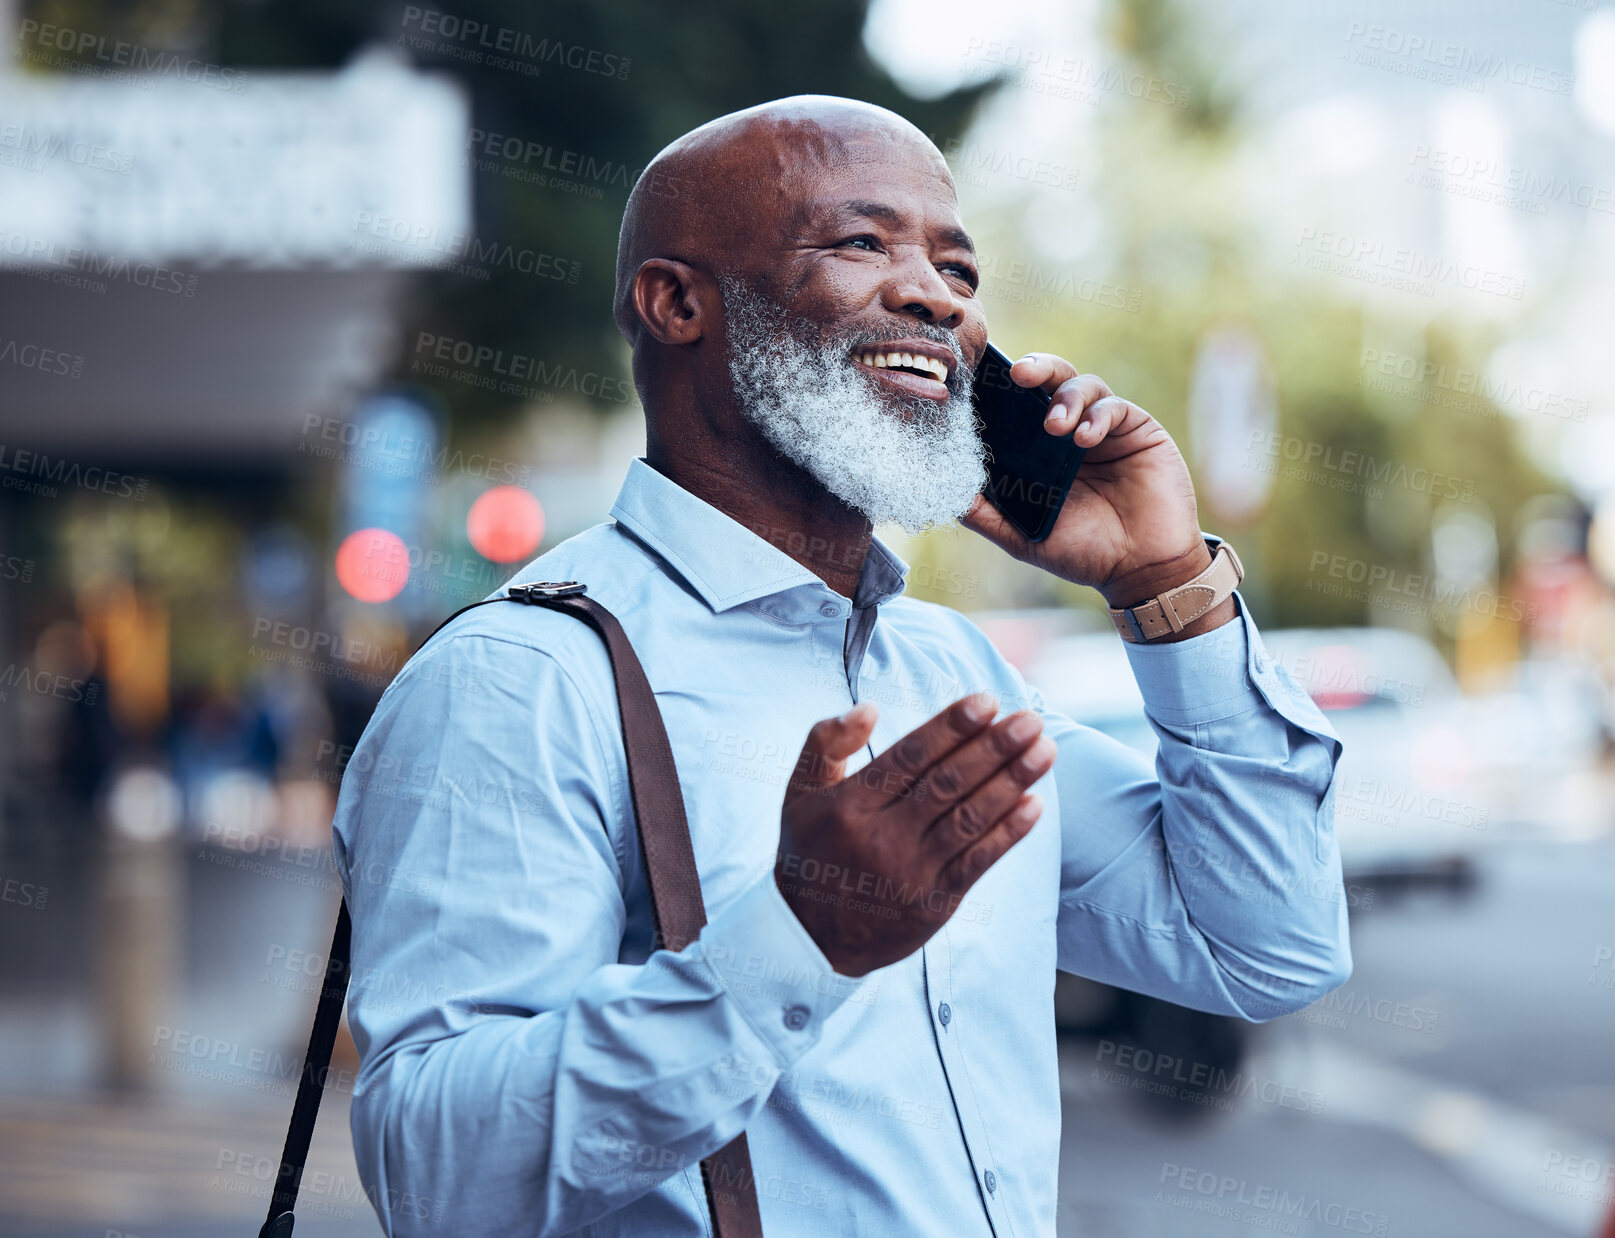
x=1183, y=234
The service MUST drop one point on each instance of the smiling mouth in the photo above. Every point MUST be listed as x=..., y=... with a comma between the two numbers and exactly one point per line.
x=904, y=363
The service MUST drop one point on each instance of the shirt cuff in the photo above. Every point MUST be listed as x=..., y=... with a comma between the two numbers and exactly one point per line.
x=1200, y=679
x=773, y=970
x=1219, y=674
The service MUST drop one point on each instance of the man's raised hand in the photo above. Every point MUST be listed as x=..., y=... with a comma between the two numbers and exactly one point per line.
x=874, y=863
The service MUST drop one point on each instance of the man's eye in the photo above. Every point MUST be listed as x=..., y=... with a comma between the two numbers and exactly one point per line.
x=864, y=242
x=962, y=271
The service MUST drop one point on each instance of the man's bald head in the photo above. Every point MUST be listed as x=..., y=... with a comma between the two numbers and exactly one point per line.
x=723, y=191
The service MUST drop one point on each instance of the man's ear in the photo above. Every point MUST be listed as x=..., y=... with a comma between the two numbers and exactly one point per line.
x=674, y=301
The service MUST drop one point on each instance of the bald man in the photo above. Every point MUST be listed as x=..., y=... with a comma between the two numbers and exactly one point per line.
x=898, y=844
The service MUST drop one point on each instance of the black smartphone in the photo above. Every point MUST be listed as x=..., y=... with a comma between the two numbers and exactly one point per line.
x=1029, y=471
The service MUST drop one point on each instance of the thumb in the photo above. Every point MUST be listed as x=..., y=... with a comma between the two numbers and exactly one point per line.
x=829, y=743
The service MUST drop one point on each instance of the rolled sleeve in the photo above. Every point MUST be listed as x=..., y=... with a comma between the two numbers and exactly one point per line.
x=1215, y=675
x=1230, y=851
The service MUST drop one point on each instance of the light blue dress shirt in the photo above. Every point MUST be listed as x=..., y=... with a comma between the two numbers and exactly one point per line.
x=530, y=1068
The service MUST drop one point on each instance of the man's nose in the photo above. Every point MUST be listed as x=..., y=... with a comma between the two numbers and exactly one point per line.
x=917, y=288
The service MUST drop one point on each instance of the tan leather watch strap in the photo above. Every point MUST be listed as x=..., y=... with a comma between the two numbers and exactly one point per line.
x=1175, y=609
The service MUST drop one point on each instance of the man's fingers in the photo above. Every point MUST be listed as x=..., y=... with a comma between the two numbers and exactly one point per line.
x=1083, y=397
x=963, y=771
x=960, y=873
x=1042, y=369
x=829, y=743
x=978, y=811
x=894, y=773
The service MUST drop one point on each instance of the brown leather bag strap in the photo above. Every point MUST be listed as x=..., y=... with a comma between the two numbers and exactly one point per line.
x=677, y=912
x=653, y=782
x=669, y=858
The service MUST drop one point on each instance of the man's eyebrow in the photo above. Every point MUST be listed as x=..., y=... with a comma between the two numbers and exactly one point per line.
x=892, y=217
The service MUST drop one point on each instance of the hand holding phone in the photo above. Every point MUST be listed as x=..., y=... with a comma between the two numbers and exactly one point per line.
x=1029, y=470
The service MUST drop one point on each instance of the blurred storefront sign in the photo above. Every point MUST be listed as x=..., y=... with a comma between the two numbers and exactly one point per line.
x=199, y=258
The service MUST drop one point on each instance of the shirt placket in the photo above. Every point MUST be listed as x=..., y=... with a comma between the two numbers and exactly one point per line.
x=942, y=1010
x=947, y=1015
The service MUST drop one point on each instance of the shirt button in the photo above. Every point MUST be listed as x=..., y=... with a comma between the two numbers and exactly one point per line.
x=796, y=1017
x=945, y=1013
x=991, y=1181
x=1261, y=661
x=829, y=610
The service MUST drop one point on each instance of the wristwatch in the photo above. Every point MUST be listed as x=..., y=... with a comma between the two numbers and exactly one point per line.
x=1175, y=609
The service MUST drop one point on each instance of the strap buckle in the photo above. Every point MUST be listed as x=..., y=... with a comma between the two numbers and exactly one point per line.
x=1140, y=637
x=534, y=591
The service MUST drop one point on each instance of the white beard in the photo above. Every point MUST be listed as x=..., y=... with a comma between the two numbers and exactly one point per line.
x=810, y=401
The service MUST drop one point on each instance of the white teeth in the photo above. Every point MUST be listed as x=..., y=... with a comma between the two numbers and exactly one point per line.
x=890, y=360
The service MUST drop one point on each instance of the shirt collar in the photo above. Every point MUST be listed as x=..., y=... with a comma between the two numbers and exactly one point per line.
x=720, y=558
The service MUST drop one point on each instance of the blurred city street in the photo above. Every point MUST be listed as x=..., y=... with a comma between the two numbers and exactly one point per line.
x=1427, y=1096
x=306, y=340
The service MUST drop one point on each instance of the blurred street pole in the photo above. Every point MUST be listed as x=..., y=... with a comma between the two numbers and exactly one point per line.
x=139, y=943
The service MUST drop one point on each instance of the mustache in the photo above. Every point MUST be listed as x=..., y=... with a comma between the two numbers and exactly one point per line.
x=742, y=300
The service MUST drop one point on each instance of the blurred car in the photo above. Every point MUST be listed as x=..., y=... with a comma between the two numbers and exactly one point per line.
x=1409, y=802
x=1413, y=795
